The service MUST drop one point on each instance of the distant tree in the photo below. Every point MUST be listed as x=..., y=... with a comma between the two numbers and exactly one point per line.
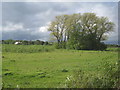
x=30, y=42
x=25, y=42
x=42, y=42
x=9, y=41
x=37, y=42
x=46, y=43
x=3, y=41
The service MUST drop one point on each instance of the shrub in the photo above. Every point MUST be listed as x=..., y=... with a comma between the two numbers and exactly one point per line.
x=60, y=45
x=101, y=46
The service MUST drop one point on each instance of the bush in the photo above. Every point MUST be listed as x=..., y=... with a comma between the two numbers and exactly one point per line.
x=60, y=45
x=101, y=46
x=85, y=43
x=56, y=45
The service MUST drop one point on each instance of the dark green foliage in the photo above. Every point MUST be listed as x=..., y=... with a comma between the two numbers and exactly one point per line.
x=10, y=41
x=45, y=43
x=60, y=45
x=3, y=57
x=41, y=74
x=64, y=70
x=88, y=42
x=101, y=46
x=74, y=41
x=8, y=73
x=25, y=43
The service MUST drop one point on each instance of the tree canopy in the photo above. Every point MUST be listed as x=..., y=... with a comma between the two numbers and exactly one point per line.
x=81, y=31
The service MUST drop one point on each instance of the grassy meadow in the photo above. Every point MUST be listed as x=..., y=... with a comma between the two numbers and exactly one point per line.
x=37, y=66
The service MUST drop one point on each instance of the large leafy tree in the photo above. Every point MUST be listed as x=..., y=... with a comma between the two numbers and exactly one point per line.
x=58, y=28
x=81, y=31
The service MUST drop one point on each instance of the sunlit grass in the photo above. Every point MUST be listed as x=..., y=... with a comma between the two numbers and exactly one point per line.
x=49, y=69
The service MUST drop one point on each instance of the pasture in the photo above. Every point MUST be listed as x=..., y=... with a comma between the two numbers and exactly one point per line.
x=35, y=66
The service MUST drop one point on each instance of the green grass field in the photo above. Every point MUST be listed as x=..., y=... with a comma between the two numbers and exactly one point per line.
x=34, y=66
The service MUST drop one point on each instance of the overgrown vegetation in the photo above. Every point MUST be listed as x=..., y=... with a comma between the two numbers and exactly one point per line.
x=27, y=48
x=109, y=78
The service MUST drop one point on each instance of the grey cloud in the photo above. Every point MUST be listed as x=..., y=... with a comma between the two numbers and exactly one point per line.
x=25, y=35
x=18, y=12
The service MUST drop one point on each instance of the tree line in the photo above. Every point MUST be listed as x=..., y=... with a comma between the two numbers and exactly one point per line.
x=81, y=31
x=25, y=42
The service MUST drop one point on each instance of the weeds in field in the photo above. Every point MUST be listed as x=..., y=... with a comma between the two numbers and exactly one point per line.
x=81, y=79
x=27, y=48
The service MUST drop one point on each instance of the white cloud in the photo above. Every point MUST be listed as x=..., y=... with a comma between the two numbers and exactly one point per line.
x=99, y=9
x=11, y=27
x=43, y=29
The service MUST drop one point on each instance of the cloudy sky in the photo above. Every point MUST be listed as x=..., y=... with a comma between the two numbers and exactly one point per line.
x=29, y=20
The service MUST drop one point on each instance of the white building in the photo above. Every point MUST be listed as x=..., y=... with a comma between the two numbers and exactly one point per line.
x=17, y=43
